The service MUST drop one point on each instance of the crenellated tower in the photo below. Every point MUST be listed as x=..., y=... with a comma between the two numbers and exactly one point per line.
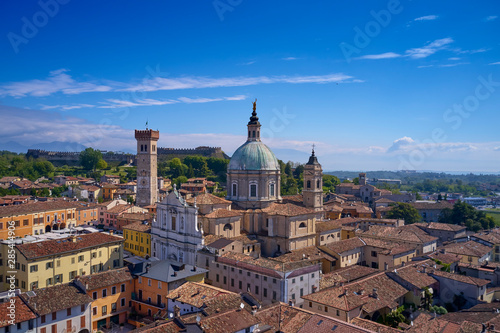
x=147, y=184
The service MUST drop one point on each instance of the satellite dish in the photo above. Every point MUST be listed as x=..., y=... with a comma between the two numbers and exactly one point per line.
x=242, y=306
x=171, y=315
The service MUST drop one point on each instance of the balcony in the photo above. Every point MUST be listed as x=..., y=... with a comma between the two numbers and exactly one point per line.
x=135, y=298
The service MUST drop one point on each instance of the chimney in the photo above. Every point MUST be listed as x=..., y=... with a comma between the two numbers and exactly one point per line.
x=443, y=250
x=110, y=231
x=424, y=268
x=375, y=293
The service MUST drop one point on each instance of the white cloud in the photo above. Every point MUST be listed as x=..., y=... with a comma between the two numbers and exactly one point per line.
x=121, y=103
x=249, y=63
x=491, y=18
x=454, y=58
x=57, y=81
x=415, y=53
x=66, y=107
x=429, y=49
x=426, y=18
x=496, y=149
x=400, y=143
x=460, y=51
x=387, y=55
x=289, y=58
x=495, y=63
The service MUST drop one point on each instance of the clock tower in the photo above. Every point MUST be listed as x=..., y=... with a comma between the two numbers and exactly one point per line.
x=147, y=183
x=312, y=192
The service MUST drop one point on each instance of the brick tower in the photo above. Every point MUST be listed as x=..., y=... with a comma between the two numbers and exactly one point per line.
x=147, y=167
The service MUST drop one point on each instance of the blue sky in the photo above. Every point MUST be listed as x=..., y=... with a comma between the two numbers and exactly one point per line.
x=386, y=85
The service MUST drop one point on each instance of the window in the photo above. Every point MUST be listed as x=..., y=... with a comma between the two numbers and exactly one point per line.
x=239, y=285
x=217, y=278
x=53, y=328
x=308, y=184
x=271, y=190
x=123, y=287
x=82, y=308
x=338, y=313
x=54, y=315
x=174, y=223
x=58, y=278
x=113, y=290
x=104, y=309
x=49, y=281
x=159, y=284
x=94, y=311
x=81, y=258
x=310, y=304
x=318, y=184
x=43, y=319
x=225, y=280
x=301, y=278
x=274, y=280
x=302, y=225
x=25, y=222
x=322, y=238
x=265, y=292
x=235, y=190
x=256, y=290
x=140, y=279
x=122, y=302
x=227, y=226
x=326, y=309
x=253, y=190
x=274, y=295
x=301, y=292
x=72, y=275
x=293, y=296
x=232, y=282
x=68, y=312
x=72, y=260
x=94, y=295
x=113, y=307
x=293, y=280
x=33, y=268
x=149, y=282
x=104, y=292
x=34, y=285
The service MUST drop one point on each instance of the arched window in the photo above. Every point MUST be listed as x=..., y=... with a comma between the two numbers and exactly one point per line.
x=253, y=134
x=302, y=225
x=227, y=226
x=271, y=190
x=317, y=184
x=142, y=148
x=146, y=148
x=308, y=184
x=234, y=190
x=253, y=190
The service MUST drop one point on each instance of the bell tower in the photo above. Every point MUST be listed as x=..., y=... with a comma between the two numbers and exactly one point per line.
x=254, y=125
x=147, y=166
x=312, y=192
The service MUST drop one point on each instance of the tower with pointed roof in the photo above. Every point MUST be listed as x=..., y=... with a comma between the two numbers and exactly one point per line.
x=312, y=192
x=147, y=169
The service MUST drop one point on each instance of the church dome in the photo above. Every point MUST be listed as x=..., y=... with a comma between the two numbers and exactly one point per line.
x=253, y=155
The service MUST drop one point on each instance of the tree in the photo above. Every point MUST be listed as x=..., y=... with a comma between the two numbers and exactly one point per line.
x=101, y=164
x=395, y=317
x=356, y=181
x=404, y=211
x=89, y=158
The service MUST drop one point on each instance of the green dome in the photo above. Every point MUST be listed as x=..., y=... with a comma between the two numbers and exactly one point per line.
x=253, y=155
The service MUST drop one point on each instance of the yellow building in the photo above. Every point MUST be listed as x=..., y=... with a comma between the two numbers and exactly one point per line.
x=111, y=292
x=137, y=238
x=50, y=262
x=37, y=218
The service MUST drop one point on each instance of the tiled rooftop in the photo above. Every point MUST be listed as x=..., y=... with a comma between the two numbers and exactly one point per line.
x=221, y=212
x=230, y=321
x=307, y=253
x=196, y=294
x=55, y=298
x=22, y=312
x=344, y=245
x=469, y=248
x=346, y=275
x=287, y=209
x=405, y=233
x=461, y=278
x=69, y=244
x=35, y=207
x=208, y=199
x=428, y=205
x=138, y=226
x=104, y=279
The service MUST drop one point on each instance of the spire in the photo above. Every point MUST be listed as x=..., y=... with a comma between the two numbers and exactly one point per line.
x=254, y=120
x=312, y=158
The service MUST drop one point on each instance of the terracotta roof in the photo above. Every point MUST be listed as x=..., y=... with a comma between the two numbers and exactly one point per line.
x=104, y=279
x=36, y=207
x=118, y=209
x=384, y=200
x=414, y=275
x=469, y=248
x=388, y=248
x=55, y=298
x=284, y=318
x=196, y=294
x=427, y=205
x=60, y=246
x=207, y=199
x=220, y=243
x=22, y=312
x=490, y=237
x=231, y=321
x=220, y=213
x=346, y=275
x=135, y=216
x=373, y=326
x=445, y=226
x=322, y=226
x=360, y=293
x=427, y=323
x=287, y=209
x=446, y=258
x=296, y=199
x=246, y=239
x=344, y=245
x=460, y=278
x=308, y=253
x=266, y=266
x=404, y=233
x=138, y=226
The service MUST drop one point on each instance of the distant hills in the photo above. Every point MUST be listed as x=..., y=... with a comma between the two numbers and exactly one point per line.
x=51, y=146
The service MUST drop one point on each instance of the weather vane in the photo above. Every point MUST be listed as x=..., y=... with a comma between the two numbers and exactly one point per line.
x=255, y=104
